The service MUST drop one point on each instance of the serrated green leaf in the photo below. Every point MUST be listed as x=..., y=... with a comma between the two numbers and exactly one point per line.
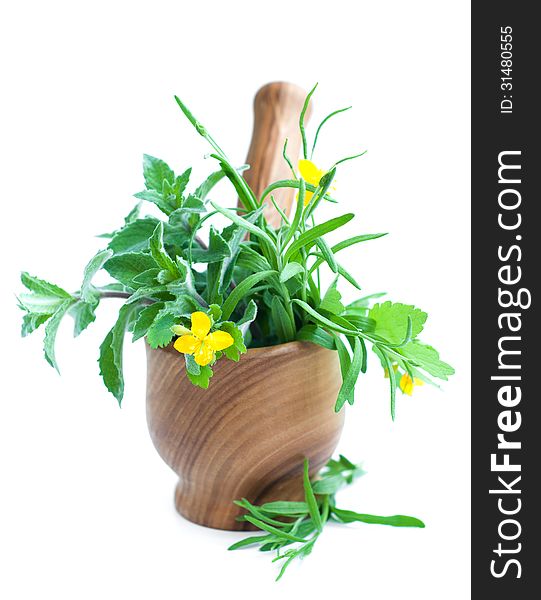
x=159, y=254
x=134, y=237
x=51, y=330
x=160, y=334
x=427, y=358
x=125, y=267
x=43, y=288
x=31, y=322
x=331, y=301
x=83, y=313
x=155, y=172
x=217, y=250
x=145, y=319
x=391, y=320
x=110, y=360
x=203, y=378
x=93, y=266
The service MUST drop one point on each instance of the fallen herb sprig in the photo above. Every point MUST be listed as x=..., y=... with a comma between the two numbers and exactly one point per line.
x=299, y=524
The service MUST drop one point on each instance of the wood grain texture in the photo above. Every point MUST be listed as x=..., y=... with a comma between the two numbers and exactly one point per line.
x=247, y=435
x=277, y=107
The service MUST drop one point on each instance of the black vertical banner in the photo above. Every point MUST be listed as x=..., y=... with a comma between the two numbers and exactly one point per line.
x=506, y=338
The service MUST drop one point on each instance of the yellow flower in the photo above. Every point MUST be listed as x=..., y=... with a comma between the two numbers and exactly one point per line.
x=199, y=342
x=311, y=174
x=407, y=384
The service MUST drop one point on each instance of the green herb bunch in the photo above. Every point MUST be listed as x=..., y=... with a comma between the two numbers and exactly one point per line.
x=255, y=285
x=292, y=528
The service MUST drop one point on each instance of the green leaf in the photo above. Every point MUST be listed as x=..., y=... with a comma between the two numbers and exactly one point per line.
x=217, y=250
x=249, y=541
x=160, y=334
x=31, y=322
x=307, y=238
x=283, y=326
x=110, y=360
x=242, y=289
x=95, y=264
x=291, y=270
x=316, y=335
x=301, y=121
x=155, y=172
x=125, y=267
x=158, y=253
x=349, y=516
x=331, y=301
x=427, y=358
x=245, y=224
x=43, y=288
x=310, y=498
x=238, y=347
x=202, y=379
x=39, y=305
x=51, y=330
x=392, y=320
x=83, y=313
x=279, y=533
x=392, y=381
x=134, y=237
x=318, y=318
x=327, y=254
x=155, y=198
x=249, y=315
x=145, y=320
x=347, y=389
x=204, y=189
x=284, y=508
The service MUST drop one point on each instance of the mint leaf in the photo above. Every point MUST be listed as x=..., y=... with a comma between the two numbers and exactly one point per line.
x=43, y=288
x=145, y=320
x=134, y=236
x=157, y=199
x=94, y=265
x=155, y=172
x=110, y=360
x=217, y=250
x=159, y=334
x=427, y=358
x=83, y=314
x=160, y=256
x=125, y=267
x=51, y=330
x=391, y=321
x=31, y=322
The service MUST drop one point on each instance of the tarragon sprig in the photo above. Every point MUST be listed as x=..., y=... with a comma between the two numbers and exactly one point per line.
x=291, y=529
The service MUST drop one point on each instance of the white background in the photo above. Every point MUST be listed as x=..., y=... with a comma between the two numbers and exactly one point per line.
x=86, y=507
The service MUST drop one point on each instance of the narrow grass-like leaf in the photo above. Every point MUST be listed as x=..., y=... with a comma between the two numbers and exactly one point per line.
x=348, y=384
x=307, y=238
x=301, y=121
x=242, y=290
x=310, y=498
x=336, y=112
x=350, y=516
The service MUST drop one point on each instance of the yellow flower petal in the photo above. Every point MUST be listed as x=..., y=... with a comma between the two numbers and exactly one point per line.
x=406, y=384
x=219, y=340
x=200, y=324
x=309, y=172
x=203, y=355
x=187, y=344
